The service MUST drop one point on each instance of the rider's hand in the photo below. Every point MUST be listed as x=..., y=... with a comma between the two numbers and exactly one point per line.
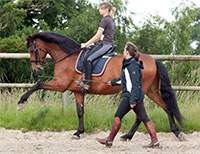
x=83, y=45
x=109, y=83
x=132, y=106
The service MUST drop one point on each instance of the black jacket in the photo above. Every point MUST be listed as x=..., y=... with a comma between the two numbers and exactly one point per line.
x=131, y=80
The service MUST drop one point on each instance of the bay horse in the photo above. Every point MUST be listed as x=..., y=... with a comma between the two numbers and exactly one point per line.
x=64, y=51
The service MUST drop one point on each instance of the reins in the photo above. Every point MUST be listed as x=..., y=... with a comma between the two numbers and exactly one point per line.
x=53, y=63
x=105, y=82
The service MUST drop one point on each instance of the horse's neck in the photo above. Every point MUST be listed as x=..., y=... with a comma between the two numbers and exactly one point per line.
x=59, y=56
x=55, y=52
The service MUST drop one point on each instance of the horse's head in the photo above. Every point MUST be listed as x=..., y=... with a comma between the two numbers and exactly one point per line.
x=37, y=54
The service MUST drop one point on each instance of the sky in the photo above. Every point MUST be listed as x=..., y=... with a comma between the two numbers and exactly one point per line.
x=142, y=8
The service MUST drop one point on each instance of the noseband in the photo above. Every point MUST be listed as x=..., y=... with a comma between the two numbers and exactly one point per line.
x=37, y=57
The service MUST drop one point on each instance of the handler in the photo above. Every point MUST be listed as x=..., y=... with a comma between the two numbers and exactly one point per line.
x=132, y=96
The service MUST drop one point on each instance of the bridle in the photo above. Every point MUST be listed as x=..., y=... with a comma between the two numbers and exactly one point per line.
x=37, y=57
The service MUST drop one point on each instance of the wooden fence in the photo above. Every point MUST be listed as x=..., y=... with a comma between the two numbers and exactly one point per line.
x=157, y=57
x=29, y=85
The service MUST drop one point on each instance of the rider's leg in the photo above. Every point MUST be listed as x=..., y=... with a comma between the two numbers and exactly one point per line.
x=94, y=54
x=88, y=68
x=100, y=52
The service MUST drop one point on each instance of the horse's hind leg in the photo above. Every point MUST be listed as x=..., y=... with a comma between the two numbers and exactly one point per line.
x=132, y=131
x=156, y=97
x=80, y=111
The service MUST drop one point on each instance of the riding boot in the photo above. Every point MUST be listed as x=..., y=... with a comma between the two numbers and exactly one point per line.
x=152, y=132
x=132, y=131
x=115, y=128
x=88, y=74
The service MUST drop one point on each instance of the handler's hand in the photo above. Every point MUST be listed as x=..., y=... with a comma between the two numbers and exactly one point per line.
x=109, y=83
x=132, y=105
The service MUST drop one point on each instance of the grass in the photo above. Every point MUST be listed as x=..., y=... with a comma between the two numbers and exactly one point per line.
x=43, y=111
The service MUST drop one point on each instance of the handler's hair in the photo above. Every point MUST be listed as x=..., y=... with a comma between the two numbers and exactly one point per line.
x=111, y=9
x=132, y=48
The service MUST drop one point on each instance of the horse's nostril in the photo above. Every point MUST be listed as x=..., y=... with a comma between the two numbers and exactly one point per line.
x=33, y=70
x=37, y=71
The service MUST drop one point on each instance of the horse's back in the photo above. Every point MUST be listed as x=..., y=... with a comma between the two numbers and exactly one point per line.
x=112, y=71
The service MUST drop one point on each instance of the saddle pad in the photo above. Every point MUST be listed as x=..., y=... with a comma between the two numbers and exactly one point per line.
x=98, y=70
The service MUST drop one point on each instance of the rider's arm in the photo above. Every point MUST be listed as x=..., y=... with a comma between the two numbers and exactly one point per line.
x=95, y=38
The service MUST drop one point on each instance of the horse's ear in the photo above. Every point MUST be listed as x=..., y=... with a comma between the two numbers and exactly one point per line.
x=28, y=38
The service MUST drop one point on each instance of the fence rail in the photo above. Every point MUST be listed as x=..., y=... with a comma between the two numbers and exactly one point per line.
x=16, y=56
x=157, y=57
x=29, y=85
x=16, y=85
x=177, y=57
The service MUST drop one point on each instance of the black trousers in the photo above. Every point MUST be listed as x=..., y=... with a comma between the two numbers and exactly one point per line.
x=139, y=109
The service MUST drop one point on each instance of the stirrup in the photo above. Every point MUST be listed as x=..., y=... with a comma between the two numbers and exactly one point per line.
x=83, y=85
x=81, y=80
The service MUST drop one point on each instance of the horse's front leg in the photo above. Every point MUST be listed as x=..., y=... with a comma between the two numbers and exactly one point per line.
x=53, y=85
x=80, y=111
x=20, y=104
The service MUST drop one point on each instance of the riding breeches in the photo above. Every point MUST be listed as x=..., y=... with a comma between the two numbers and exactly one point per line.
x=139, y=109
x=96, y=52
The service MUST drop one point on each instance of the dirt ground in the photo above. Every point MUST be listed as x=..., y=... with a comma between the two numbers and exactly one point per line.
x=17, y=142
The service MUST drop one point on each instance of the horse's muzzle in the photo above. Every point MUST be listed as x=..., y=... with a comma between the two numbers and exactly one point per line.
x=38, y=69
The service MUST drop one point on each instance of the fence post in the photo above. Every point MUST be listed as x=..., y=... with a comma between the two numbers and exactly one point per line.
x=65, y=100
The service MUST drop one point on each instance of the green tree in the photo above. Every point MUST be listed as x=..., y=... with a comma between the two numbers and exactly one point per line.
x=181, y=34
x=196, y=32
x=154, y=37
x=182, y=28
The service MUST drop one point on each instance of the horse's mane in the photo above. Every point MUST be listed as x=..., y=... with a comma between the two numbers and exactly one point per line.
x=65, y=43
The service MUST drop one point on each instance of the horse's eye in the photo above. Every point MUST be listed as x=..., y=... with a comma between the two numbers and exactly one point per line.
x=31, y=51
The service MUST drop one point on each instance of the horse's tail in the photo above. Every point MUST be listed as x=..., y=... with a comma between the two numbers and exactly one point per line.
x=167, y=92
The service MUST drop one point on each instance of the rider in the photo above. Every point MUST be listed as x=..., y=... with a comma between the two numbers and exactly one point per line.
x=104, y=35
x=132, y=96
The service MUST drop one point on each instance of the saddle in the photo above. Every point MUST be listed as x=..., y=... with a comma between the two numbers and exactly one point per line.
x=98, y=64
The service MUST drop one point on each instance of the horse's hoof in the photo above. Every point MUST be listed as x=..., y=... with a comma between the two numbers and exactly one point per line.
x=20, y=106
x=125, y=138
x=181, y=137
x=76, y=137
